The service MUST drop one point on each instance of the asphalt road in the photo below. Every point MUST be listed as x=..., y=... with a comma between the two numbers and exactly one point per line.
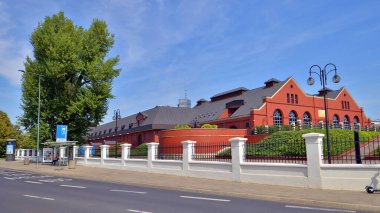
x=29, y=192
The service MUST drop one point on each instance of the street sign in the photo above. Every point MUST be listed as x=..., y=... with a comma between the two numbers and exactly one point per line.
x=61, y=135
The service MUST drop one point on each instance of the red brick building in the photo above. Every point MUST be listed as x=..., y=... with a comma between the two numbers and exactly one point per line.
x=281, y=103
x=276, y=103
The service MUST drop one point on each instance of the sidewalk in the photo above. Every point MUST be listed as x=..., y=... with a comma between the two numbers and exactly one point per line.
x=290, y=195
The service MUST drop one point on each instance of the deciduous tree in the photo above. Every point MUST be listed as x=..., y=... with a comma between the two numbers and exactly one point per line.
x=76, y=76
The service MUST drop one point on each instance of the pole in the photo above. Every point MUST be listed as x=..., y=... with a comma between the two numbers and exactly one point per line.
x=323, y=73
x=357, y=148
x=323, y=78
x=38, y=119
x=116, y=137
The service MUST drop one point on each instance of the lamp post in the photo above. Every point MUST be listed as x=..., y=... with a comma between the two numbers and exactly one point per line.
x=38, y=114
x=116, y=116
x=323, y=79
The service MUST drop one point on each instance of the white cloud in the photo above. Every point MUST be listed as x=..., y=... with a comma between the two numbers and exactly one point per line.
x=12, y=52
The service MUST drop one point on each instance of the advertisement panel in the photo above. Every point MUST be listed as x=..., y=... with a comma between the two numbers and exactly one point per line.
x=47, y=155
x=61, y=135
x=10, y=148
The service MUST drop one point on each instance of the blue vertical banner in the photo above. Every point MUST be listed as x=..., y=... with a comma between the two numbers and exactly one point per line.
x=61, y=134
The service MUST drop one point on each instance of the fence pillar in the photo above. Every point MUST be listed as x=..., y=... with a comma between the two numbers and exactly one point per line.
x=104, y=149
x=125, y=152
x=237, y=155
x=62, y=152
x=33, y=154
x=75, y=151
x=86, y=153
x=314, y=159
x=187, y=155
x=152, y=152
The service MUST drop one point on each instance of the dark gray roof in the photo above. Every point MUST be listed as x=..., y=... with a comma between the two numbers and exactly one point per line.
x=334, y=93
x=252, y=99
x=326, y=89
x=158, y=117
x=230, y=91
x=331, y=93
x=165, y=117
x=272, y=80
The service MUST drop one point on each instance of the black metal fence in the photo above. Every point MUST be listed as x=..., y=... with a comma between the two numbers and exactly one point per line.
x=220, y=151
x=114, y=151
x=96, y=152
x=291, y=151
x=357, y=150
x=169, y=152
x=139, y=152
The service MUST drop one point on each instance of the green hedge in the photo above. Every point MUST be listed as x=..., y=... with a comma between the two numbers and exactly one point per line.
x=376, y=153
x=291, y=143
x=209, y=126
x=185, y=126
x=141, y=150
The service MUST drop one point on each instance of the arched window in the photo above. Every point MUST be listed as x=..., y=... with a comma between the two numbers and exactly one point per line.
x=306, y=119
x=336, y=121
x=356, y=122
x=277, y=118
x=346, y=122
x=292, y=117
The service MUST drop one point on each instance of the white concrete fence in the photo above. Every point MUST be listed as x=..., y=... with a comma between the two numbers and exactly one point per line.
x=315, y=174
x=27, y=153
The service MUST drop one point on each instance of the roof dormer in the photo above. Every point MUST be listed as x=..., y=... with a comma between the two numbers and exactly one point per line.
x=271, y=82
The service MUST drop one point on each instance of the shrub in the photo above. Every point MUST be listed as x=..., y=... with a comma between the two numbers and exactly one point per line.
x=2, y=149
x=209, y=126
x=141, y=150
x=185, y=126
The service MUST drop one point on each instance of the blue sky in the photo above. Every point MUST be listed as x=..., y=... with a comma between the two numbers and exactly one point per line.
x=207, y=47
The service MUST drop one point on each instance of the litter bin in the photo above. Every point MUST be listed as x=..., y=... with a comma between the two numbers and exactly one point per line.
x=26, y=161
x=72, y=164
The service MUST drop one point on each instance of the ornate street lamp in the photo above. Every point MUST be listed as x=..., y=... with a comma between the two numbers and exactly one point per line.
x=39, y=112
x=116, y=116
x=323, y=79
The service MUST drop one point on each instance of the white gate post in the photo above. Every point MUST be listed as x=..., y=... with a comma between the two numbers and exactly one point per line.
x=187, y=155
x=75, y=151
x=237, y=155
x=314, y=159
x=125, y=152
x=62, y=152
x=86, y=153
x=152, y=152
x=104, y=153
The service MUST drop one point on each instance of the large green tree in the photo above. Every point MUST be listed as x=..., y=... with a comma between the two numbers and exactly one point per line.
x=76, y=76
x=8, y=131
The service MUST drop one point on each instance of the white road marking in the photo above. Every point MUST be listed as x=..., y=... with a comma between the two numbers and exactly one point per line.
x=8, y=178
x=319, y=209
x=32, y=182
x=205, y=198
x=133, y=210
x=43, y=198
x=136, y=192
x=55, y=180
x=71, y=186
x=21, y=174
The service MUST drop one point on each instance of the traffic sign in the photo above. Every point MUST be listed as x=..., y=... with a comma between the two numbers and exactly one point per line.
x=61, y=135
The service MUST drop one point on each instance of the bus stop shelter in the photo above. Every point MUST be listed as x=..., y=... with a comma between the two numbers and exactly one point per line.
x=65, y=152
